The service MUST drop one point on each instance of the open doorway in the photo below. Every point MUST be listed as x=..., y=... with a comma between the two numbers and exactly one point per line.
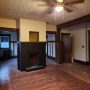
x=8, y=46
x=51, y=47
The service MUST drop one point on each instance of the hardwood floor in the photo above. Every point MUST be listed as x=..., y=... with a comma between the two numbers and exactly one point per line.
x=53, y=77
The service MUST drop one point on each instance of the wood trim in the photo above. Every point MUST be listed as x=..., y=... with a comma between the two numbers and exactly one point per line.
x=81, y=62
x=65, y=33
x=74, y=22
x=89, y=45
x=62, y=34
x=9, y=29
x=50, y=32
x=51, y=41
x=58, y=36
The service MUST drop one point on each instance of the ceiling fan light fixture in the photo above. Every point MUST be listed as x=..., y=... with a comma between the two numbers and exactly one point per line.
x=59, y=0
x=59, y=8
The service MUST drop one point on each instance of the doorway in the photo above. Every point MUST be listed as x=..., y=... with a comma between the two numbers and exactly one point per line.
x=8, y=45
x=67, y=47
x=51, y=47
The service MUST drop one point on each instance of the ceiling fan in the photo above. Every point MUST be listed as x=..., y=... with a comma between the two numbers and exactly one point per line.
x=60, y=4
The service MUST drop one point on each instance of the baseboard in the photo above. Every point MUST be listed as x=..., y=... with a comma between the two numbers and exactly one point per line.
x=81, y=62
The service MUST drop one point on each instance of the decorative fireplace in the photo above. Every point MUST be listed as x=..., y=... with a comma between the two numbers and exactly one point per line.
x=31, y=56
x=34, y=59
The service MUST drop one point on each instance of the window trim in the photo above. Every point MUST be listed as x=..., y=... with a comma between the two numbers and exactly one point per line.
x=9, y=40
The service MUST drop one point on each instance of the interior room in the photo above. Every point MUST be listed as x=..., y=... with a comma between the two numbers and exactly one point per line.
x=8, y=45
x=45, y=45
x=50, y=47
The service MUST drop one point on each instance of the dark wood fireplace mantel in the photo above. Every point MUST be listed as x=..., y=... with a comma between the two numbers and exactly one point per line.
x=31, y=56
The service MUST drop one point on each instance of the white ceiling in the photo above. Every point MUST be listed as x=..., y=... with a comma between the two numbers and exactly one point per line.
x=29, y=9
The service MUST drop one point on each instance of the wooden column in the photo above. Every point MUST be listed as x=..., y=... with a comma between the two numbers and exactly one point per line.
x=58, y=47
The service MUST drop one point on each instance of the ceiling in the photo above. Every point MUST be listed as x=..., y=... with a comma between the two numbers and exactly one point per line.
x=29, y=9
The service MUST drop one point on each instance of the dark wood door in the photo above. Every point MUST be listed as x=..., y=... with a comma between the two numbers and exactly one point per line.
x=89, y=45
x=67, y=51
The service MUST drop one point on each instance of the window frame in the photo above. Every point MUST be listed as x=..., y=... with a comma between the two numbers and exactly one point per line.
x=7, y=35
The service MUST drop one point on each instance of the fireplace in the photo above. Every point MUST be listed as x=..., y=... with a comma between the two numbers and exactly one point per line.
x=33, y=62
x=31, y=56
x=34, y=59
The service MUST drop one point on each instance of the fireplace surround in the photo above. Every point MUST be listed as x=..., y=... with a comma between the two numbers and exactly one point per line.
x=31, y=56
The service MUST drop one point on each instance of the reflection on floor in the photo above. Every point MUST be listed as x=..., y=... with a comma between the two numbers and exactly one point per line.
x=53, y=77
x=50, y=62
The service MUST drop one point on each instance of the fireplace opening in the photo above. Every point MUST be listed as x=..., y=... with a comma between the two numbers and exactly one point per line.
x=33, y=62
x=34, y=59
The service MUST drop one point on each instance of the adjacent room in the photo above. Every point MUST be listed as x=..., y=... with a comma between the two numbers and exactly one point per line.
x=45, y=45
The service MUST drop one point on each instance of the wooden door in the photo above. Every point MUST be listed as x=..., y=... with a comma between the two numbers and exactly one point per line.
x=89, y=45
x=67, y=51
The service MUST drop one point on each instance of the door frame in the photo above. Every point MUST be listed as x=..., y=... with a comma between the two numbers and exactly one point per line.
x=89, y=45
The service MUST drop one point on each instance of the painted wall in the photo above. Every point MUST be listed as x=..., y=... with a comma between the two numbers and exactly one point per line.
x=32, y=25
x=78, y=33
x=51, y=27
x=8, y=23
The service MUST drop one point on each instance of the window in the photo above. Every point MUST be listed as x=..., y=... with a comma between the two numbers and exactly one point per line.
x=4, y=41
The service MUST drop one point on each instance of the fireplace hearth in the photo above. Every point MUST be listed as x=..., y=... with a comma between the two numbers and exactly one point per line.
x=31, y=56
x=33, y=63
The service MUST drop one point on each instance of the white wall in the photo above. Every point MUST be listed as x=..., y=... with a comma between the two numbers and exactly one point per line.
x=8, y=23
x=78, y=33
x=32, y=25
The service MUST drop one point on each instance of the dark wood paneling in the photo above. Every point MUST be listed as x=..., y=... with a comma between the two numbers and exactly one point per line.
x=50, y=32
x=74, y=22
x=59, y=47
x=27, y=48
x=89, y=45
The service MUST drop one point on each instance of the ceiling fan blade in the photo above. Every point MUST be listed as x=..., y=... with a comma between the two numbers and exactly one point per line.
x=68, y=9
x=74, y=2
x=50, y=10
